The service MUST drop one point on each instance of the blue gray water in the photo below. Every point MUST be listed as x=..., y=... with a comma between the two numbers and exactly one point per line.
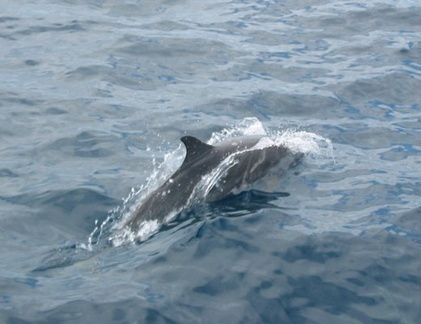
x=94, y=95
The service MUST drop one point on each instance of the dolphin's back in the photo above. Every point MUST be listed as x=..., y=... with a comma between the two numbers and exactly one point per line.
x=244, y=164
x=247, y=168
x=175, y=192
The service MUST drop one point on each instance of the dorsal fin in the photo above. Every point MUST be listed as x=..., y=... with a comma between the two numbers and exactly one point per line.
x=194, y=148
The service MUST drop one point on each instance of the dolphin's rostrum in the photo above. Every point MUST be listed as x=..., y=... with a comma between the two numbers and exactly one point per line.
x=235, y=164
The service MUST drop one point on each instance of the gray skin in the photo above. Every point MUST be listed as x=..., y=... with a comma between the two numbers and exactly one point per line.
x=201, y=159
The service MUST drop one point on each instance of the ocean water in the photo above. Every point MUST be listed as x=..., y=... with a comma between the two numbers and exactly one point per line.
x=94, y=96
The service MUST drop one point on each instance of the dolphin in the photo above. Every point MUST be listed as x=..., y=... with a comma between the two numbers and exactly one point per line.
x=230, y=167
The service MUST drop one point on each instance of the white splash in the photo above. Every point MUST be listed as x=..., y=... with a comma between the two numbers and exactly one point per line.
x=126, y=235
x=247, y=126
x=305, y=142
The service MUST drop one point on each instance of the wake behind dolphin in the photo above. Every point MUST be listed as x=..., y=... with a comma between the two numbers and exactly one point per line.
x=209, y=173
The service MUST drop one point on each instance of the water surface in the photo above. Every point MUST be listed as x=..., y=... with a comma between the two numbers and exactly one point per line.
x=96, y=94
